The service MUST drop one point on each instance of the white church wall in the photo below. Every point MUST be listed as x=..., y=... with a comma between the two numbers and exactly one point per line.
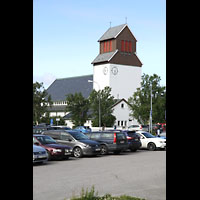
x=101, y=75
x=125, y=82
x=123, y=79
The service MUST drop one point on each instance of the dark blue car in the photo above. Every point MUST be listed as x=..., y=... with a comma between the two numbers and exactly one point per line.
x=83, y=129
x=133, y=139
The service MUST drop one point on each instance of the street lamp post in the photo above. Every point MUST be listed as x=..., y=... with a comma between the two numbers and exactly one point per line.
x=90, y=81
x=151, y=112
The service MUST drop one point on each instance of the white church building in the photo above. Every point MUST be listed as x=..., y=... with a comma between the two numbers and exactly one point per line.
x=116, y=66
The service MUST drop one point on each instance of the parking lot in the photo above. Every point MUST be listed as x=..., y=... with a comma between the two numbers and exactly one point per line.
x=139, y=174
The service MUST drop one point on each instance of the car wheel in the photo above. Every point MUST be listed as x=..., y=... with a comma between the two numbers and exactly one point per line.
x=66, y=157
x=117, y=152
x=133, y=150
x=49, y=155
x=151, y=146
x=78, y=153
x=103, y=150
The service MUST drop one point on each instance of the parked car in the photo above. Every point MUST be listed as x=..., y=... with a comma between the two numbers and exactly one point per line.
x=162, y=135
x=58, y=128
x=138, y=128
x=83, y=129
x=133, y=139
x=39, y=154
x=150, y=141
x=110, y=141
x=38, y=129
x=79, y=142
x=54, y=150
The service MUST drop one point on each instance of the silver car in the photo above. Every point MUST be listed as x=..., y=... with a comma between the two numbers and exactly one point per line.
x=80, y=143
x=39, y=154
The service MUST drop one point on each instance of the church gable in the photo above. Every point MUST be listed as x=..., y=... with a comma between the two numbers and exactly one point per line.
x=126, y=59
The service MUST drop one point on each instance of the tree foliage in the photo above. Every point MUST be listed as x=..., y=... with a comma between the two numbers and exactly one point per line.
x=141, y=100
x=40, y=101
x=78, y=106
x=106, y=101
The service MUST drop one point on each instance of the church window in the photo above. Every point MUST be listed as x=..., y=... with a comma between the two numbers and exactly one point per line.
x=125, y=123
x=126, y=46
x=106, y=46
x=122, y=105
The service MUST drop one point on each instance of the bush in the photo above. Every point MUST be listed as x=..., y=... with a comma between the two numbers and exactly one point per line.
x=92, y=195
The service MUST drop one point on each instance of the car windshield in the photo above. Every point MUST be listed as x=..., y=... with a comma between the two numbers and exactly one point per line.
x=79, y=136
x=148, y=135
x=46, y=139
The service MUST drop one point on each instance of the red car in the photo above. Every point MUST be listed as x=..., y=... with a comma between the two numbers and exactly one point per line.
x=54, y=150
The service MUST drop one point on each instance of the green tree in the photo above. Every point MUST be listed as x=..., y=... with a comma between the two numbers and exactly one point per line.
x=78, y=106
x=140, y=101
x=41, y=100
x=106, y=101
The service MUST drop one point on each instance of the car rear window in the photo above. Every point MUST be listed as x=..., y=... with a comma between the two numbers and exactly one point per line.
x=121, y=136
x=131, y=133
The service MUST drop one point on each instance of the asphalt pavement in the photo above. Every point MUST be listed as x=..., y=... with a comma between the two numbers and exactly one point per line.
x=139, y=174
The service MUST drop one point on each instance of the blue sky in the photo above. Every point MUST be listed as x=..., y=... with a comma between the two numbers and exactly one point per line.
x=65, y=34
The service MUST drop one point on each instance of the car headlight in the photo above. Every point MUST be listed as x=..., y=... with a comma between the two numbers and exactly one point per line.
x=57, y=150
x=87, y=145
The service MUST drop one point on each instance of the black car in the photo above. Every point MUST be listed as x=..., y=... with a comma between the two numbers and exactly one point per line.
x=133, y=138
x=110, y=141
x=80, y=143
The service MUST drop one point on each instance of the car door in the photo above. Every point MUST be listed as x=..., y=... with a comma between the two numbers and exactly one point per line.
x=143, y=140
x=66, y=139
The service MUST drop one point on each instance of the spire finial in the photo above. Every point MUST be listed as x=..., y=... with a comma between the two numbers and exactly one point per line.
x=110, y=24
x=126, y=19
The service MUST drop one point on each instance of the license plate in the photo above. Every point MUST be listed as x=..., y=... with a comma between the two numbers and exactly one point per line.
x=136, y=139
x=42, y=156
x=121, y=142
x=97, y=149
x=67, y=153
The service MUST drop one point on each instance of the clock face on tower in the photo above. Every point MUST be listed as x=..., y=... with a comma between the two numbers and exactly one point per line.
x=105, y=70
x=114, y=70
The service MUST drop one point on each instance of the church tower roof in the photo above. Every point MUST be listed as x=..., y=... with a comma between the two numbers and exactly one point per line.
x=112, y=32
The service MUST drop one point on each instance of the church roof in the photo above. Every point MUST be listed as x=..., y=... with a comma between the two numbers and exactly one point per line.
x=104, y=57
x=61, y=87
x=112, y=32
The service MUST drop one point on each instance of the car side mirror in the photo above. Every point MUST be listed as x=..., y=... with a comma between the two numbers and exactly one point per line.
x=36, y=143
